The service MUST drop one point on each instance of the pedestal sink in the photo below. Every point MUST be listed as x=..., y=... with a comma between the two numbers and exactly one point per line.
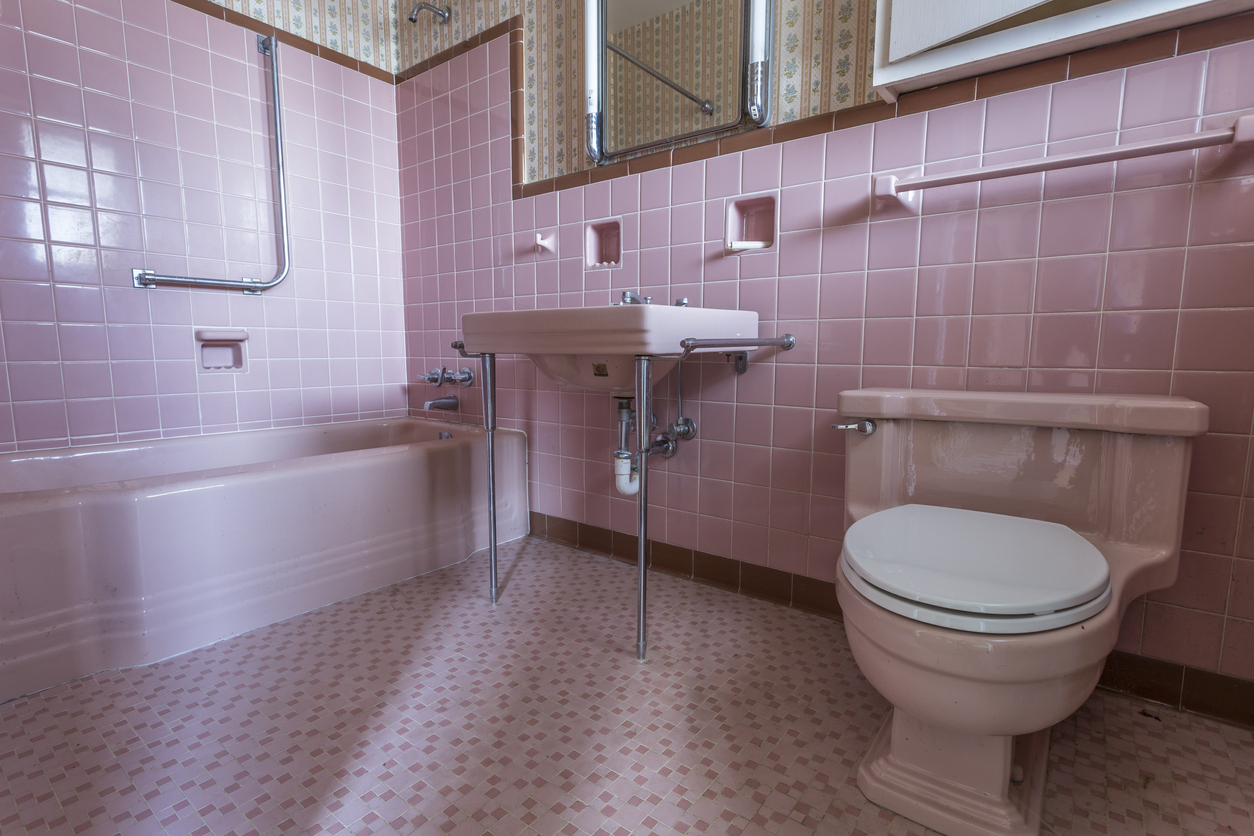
x=620, y=350
x=596, y=348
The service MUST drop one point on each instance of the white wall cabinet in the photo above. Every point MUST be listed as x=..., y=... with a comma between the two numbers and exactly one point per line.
x=922, y=43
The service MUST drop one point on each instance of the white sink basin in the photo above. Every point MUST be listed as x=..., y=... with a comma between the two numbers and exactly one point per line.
x=596, y=348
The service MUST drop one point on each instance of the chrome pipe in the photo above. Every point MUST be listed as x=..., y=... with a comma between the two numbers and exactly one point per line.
x=707, y=107
x=644, y=408
x=487, y=366
x=442, y=14
x=142, y=277
x=786, y=342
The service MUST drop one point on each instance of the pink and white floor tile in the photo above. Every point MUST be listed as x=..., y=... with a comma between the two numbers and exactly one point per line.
x=419, y=708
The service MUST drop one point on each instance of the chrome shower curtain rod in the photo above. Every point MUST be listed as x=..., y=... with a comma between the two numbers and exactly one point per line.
x=148, y=278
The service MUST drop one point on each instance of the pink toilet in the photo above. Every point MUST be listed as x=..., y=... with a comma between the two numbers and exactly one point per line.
x=995, y=540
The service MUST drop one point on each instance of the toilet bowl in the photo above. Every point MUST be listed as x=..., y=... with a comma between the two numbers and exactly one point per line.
x=994, y=543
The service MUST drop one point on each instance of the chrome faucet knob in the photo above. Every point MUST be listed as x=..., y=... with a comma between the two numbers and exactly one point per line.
x=435, y=377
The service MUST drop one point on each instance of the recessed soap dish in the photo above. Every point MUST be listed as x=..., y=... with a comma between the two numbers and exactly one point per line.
x=750, y=224
x=221, y=349
x=603, y=244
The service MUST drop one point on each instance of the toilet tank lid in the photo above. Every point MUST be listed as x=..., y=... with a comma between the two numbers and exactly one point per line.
x=974, y=561
x=1137, y=414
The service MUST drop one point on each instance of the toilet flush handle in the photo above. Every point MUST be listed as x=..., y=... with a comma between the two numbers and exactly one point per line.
x=865, y=426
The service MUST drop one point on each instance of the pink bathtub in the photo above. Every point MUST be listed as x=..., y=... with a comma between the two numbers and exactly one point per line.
x=123, y=554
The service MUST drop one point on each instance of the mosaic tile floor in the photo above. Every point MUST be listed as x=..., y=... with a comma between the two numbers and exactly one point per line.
x=420, y=709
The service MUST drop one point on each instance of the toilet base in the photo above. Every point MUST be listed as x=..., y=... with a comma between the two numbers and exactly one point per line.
x=955, y=783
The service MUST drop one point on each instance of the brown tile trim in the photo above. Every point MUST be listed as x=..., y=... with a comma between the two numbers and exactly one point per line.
x=1124, y=54
x=796, y=591
x=955, y=92
x=287, y=38
x=1037, y=74
x=1212, y=33
x=1224, y=698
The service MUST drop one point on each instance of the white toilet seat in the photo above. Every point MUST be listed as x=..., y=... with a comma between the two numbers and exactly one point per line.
x=975, y=571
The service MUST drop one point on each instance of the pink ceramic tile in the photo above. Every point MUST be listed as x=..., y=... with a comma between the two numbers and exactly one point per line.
x=1085, y=106
x=1003, y=287
x=1008, y=232
x=55, y=19
x=941, y=341
x=688, y=182
x=890, y=293
x=1218, y=466
x=893, y=244
x=944, y=290
x=1080, y=225
x=52, y=59
x=1230, y=396
x=955, y=131
x=803, y=160
x=1223, y=212
x=1016, y=119
x=800, y=252
x=899, y=142
x=840, y=342
x=848, y=152
x=21, y=219
x=1151, y=218
x=801, y=207
x=1093, y=179
x=760, y=168
x=888, y=342
x=1145, y=279
x=999, y=340
x=1228, y=70
x=947, y=239
x=1065, y=340
x=1141, y=340
x=1182, y=636
x=1163, y=90
x=1238, y=649
x=841, y=295
x=1071, y=283
x=722, y=176
x=1215, y=340
x=1210, y=523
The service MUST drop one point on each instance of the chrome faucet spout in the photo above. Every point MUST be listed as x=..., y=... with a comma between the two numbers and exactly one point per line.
x=447, y=402
x=442, y=14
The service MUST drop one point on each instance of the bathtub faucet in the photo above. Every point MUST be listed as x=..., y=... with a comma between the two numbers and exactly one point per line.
x=446, y=402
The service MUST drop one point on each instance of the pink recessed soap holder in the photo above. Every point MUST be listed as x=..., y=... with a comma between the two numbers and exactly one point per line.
x=750, y=224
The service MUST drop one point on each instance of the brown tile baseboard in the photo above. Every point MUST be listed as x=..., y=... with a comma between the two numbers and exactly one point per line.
x=1181, y=687
x=1224, y=698
x=796, y=591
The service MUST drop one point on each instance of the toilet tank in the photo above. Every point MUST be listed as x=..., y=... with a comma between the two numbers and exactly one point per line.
x=1114, y=468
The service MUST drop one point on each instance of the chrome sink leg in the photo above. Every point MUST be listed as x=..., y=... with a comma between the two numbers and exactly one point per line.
x=488, y=379
x=644, y=407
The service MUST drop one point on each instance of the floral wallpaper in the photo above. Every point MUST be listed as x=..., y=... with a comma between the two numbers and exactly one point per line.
x=824, y=55
x=363, y=29
x=822, y=61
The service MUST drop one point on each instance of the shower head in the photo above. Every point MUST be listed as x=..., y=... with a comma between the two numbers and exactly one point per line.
x=442, y=14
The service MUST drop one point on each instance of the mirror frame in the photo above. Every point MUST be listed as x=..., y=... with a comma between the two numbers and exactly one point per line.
x=758, y=33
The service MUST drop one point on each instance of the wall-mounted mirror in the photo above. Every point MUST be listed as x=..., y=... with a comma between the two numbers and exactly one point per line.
x=664, y=71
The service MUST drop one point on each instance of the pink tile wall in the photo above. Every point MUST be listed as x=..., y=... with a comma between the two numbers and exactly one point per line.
x=135, y=133
x=1132, y=277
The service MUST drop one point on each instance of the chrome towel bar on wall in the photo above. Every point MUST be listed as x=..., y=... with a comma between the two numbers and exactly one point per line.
x=147, y=278
x=906, y=190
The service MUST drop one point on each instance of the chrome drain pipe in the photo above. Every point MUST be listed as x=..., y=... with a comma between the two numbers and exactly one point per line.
x=644, y=407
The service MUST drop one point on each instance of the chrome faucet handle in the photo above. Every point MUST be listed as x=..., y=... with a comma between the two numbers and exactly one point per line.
x=681, y=302
x=435, y=377
x=630, y=297
x=866, y=426
x=465, y=377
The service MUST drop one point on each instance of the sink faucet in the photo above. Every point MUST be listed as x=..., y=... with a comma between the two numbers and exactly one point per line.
x=630, y=297
x=446, y=402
